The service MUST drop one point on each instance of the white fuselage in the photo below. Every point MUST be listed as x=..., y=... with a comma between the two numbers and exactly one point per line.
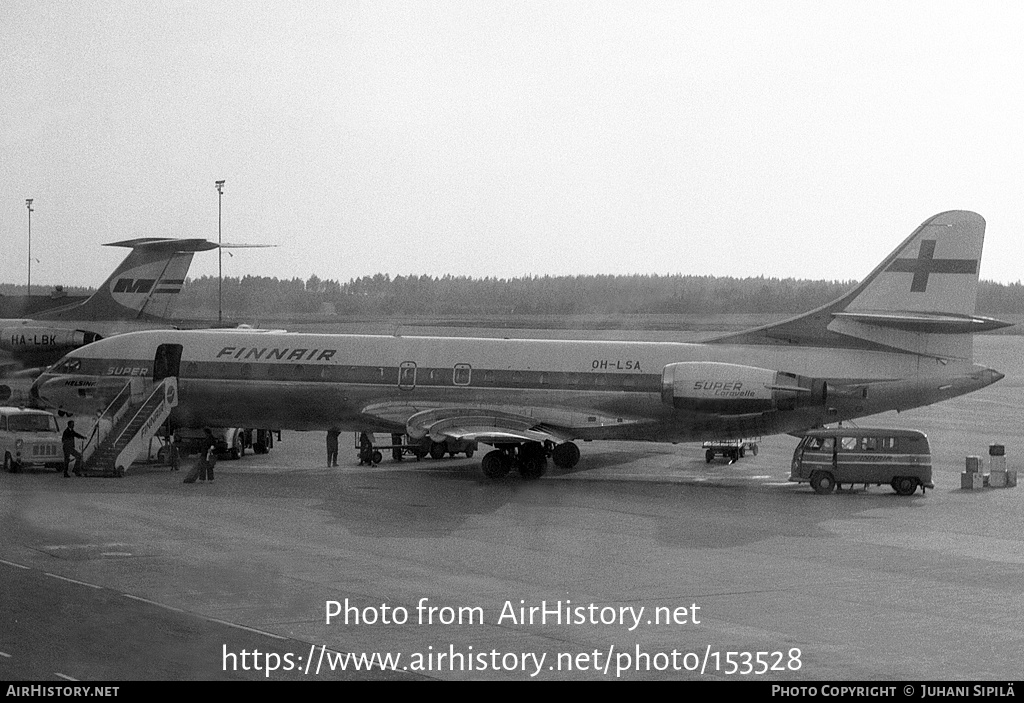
x=589, y=389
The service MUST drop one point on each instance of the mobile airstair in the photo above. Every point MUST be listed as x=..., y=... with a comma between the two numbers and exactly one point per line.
x=126, y=426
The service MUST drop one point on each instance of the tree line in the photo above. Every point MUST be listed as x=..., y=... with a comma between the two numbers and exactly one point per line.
x=382, y=295
x=257, y=297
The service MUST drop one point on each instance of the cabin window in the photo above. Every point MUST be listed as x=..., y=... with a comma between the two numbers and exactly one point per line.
x=246, y=370
x=462, y=375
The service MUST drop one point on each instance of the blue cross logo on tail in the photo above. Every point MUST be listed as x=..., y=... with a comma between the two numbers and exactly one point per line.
x=926, y=264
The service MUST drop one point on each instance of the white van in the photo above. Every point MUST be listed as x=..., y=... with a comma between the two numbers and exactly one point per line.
x=29, y=438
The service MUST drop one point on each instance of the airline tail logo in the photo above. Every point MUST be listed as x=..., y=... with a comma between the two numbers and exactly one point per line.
x=145, y=285
x=926, y=264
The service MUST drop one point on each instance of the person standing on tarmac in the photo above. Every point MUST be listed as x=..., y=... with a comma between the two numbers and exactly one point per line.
x=209, y=459
x=332, y=446
x=67, y=441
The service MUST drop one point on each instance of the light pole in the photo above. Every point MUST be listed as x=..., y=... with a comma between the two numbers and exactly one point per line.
x=28, y=204
x=220, y=269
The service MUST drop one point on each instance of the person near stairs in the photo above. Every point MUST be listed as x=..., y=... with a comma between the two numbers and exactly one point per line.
x=68, y=443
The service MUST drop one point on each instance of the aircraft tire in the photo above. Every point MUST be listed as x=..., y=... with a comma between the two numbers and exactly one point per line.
x=823, y=482
x=753, y=449
x=743, y=452
x=9, y=464
x=495, y=464
x=566, y=455
x=532, y=461
x=438, y=450
x=904, y=485
x=469, y=453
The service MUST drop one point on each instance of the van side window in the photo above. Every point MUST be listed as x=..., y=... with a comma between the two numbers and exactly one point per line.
x=848, y=443
x=869, y=444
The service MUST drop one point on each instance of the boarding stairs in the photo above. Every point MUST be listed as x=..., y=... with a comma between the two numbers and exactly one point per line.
x=132, y=424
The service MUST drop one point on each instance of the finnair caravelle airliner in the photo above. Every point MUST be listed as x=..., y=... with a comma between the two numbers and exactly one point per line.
x=903, y=338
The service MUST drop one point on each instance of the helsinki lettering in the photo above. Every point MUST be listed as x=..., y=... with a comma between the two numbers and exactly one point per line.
x=286, y=354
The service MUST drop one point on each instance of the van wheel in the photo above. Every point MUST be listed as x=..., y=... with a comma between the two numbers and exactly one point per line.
x=904, y=485
x=8, y=464
x=753, y=449
x=709, y=456
x=823, y=482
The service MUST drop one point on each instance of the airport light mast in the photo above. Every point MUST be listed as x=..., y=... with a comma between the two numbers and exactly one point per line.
x=28, y=204
x=220, y=269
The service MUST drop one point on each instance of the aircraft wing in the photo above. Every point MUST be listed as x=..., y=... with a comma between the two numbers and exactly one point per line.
x=488, y=425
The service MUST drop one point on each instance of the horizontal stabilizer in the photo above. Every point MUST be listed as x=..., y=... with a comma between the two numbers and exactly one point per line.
x=924, y=322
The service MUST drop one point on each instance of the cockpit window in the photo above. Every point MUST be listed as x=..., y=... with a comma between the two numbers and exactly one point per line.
x=69, y=366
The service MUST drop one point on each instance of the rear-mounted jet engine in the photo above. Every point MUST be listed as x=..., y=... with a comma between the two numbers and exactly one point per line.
x=731, y=389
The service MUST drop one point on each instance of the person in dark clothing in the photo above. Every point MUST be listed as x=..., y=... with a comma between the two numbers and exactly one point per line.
x=67, y=440
x=332, y=446
x=209, y=457
x=365, y=450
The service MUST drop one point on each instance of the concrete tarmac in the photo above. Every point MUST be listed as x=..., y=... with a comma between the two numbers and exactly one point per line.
x=643, y=562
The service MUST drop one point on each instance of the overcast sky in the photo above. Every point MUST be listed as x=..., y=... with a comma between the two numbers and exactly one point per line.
x=787, y=139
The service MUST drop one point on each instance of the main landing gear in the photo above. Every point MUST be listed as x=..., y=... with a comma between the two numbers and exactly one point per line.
x=530, y=459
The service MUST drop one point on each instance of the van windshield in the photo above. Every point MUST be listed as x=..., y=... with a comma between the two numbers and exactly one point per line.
x=31, y=423
x=819, y=444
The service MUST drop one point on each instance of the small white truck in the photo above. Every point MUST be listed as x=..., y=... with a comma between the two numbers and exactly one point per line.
x=729, y=449
x=29, y=439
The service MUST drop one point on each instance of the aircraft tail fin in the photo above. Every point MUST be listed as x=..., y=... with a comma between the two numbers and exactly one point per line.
x=144, y=286
x=920, y=299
